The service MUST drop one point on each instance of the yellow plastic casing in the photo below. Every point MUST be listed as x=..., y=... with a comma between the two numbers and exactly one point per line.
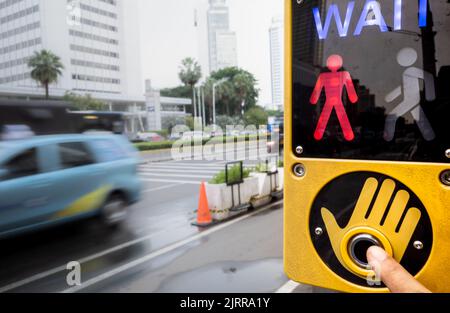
x=301, y=261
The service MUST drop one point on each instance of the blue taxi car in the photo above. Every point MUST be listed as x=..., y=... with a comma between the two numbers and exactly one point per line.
x=48, y=180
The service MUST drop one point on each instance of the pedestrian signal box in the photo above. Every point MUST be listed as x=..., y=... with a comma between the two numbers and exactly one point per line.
x=367, y=156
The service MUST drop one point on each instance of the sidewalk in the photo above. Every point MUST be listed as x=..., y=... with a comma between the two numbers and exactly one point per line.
x=156, y=155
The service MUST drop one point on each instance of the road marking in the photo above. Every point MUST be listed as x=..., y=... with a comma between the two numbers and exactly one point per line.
x=175, y=175
x=165, y=250
x=194, y=165
x=183, y=166
x=289, y=287
x=160, y=188
x=158, y=180
x=61, y=268
x=156, y=170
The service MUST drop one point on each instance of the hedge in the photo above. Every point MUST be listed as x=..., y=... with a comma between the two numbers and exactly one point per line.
x=148, y=146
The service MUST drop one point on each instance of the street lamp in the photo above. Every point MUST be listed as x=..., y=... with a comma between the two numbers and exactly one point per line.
x=215, y=85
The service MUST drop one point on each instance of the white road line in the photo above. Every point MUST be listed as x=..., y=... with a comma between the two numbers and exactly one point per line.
x=158, y=170
x=182, y=166
x=158, y=180
x=192, y=162
x=175, y=175
x=162, y=251
x=175, y=169
x=196, y=165
x=199, y=163
x=83, y=260
x=160, y=188
x=289, y=287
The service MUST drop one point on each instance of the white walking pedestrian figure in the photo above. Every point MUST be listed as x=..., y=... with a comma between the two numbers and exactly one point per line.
x=411, y=96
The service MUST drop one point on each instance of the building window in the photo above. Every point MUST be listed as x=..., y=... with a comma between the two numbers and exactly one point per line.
x=98, y=11
x=21, y=45
x=102, y=66
x=112, y=2
x=89, y=22
x=7, y=3
x=96, y=91
x=96, y=79
x=84, y=35
x=19, y=14
x=13, y=63
x=14, y=78
x=94, y=51
x=19, y=30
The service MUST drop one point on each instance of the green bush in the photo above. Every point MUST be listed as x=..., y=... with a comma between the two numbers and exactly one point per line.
x=148, y=146
x=234, y=174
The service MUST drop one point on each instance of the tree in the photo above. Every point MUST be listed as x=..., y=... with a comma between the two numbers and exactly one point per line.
x=177, y=92
x=190, y=74
x=275, y=113
x=225, y=120
x=169, y=122
x=256, y=116
x=84, y=103
x=243, y=85
x=238, y=87
x=46, y=68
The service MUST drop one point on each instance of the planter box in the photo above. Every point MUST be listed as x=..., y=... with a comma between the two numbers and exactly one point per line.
x=220, y=197
x=281, y=178
x=267, y=184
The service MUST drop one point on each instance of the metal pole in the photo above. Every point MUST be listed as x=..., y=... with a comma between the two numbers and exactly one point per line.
x=214, y=104
x=199, y=103
x=194, y=102
x=203, y=105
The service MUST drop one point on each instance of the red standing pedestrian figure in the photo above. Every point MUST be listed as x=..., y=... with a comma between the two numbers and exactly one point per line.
x=334, y=83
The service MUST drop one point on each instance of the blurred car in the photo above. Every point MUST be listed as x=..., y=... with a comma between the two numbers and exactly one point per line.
x=196, y=135
x=48, y=180
x=248, y=132
x=175, y=136
x=275, y=140
x=149, y=137
x=15, y=132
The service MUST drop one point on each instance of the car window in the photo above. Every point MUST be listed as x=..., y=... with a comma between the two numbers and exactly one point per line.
x=74, y=154
x=22, y=165
x=109, y=150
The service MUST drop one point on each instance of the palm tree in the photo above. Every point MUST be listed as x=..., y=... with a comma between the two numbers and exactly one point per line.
x=190, y=73
x=46, y=68
x=243, y=84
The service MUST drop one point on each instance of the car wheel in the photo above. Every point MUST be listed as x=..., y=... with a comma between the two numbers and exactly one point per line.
x=114, y=211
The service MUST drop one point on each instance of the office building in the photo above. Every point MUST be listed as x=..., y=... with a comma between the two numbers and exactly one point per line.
x=276, y=33
x=221, y=41
x=97, y=41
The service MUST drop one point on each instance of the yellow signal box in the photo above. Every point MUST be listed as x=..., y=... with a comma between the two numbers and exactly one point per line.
x=367, y=155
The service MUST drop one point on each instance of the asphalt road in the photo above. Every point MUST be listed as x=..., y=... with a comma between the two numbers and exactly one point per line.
x=157, y=249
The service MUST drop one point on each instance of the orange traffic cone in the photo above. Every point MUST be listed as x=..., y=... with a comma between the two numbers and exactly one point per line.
x=203, y=214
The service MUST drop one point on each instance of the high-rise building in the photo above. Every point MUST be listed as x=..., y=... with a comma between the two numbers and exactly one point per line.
x=97, y=41
x=221, y=41
x=276, y=33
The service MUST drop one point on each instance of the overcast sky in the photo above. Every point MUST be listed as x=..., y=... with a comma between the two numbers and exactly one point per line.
x=168, y=35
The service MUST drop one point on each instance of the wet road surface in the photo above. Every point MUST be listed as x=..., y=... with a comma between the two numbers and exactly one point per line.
x=156, y=250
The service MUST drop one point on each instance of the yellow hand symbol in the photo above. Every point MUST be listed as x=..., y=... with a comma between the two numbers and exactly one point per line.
x=362, y=223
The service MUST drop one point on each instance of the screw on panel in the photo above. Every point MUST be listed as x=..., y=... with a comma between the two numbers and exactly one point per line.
x=299, y=170
x=318, y=231
x=299, y=150
x=445, y=177
x=447, y=153
x=418, y=245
